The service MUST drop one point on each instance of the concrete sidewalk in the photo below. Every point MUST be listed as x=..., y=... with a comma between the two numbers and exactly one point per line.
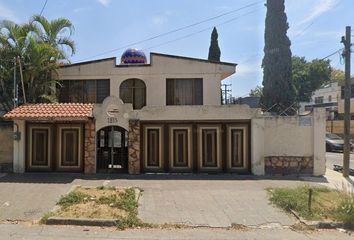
x=333, y=179
x=25, y=198
x=209, y=203
x=195, y=200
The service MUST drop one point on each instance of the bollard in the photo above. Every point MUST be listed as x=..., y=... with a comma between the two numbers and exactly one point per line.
x=309, y=200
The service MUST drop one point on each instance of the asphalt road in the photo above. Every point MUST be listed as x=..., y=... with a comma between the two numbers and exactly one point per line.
x=337, y=158
x=43, y=232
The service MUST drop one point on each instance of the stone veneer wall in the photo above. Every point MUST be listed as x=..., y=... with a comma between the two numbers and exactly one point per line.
x=90, y=147
x=286, y=165
x=134, y=147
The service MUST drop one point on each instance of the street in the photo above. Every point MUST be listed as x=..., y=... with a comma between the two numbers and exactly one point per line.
x=337, y=158
x=40, y=232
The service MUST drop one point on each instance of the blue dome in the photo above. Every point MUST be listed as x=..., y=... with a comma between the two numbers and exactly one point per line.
x=133, y=55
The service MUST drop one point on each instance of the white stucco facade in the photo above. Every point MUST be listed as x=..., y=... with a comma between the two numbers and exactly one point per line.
x=154, y=75
x=287, y=136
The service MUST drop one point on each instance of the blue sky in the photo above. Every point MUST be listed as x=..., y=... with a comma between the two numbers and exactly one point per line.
x=102, y=25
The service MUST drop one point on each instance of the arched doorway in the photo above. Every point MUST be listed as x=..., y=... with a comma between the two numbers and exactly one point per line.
x=112, y=149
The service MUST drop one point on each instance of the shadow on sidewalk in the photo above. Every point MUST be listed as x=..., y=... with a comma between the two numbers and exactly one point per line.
x=64, y=178
x=350, y=181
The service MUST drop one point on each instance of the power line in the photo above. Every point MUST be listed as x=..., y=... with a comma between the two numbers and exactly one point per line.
x=45, y=4
x=176, y=30
x=200, y=31
x=304, y=30
x=330, y=55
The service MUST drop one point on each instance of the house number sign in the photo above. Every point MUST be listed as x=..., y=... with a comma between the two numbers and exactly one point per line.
x=112, y=112
x=112, y=120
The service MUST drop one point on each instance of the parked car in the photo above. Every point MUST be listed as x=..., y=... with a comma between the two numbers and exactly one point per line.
x=335, y=143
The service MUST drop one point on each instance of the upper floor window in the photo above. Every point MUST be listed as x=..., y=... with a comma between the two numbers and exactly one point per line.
x=318, y=99
x=84, y=91
x=133, y=91
x=184, y=91
x=330, y=98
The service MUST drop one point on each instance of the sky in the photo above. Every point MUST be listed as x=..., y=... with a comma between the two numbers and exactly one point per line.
x=105, y=28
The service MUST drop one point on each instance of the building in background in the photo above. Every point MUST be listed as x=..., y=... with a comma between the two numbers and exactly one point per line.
x=336, y=125
x=252, y=102
x=326, y=97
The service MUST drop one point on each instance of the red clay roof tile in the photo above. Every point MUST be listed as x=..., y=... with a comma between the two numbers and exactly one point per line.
x=79, y=111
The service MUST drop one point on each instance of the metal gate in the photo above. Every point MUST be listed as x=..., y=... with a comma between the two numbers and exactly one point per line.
x=112, y=149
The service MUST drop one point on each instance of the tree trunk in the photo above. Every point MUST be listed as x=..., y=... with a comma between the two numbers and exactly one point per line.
x=22, y=83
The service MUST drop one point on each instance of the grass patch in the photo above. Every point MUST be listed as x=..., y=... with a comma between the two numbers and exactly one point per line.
x=101, y=203
x=45, y=217
x=326, y=204
x=72, y=198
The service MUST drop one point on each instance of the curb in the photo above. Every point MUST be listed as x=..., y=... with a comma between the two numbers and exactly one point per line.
x=81, y=222
x=86, y=221
x=322, y=224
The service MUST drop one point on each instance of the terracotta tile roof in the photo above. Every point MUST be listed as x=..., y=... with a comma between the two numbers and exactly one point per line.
x=52, y=111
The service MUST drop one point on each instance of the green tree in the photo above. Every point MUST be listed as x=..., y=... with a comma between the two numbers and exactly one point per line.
x=39, y=83
x=37, y=56
x=256, y=92
x=56, y=33
x=6, y=78
x=14, y=38
x=214, y=50
x=309, y=76
x=337, y=75
x=278, y=89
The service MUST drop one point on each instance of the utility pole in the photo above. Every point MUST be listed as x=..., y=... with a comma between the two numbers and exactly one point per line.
x=347, y=92
x=225, y=91
x=15, y=84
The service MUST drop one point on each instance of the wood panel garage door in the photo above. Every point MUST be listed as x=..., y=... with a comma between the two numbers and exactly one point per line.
x=54, y=147
x=39, y=147
x=195, y=147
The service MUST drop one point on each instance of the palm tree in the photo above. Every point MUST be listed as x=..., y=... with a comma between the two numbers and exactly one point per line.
x=40, y=58
x=6, y=78
x=14, y=36
x=54, y=33
x=37, y=47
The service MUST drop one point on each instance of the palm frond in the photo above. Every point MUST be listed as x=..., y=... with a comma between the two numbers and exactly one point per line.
x=60, y=24
x=67, y=42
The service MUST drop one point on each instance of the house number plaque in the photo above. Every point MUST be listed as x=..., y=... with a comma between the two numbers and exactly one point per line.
x=112, y=120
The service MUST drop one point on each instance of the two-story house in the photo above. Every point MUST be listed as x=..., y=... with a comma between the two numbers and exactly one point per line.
x=161, y=116
x=326, y=97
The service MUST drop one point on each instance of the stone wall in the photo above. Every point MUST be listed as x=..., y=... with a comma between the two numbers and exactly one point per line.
x=134, y=147
x=288, y=165
x=90, y=147
x=6, y=147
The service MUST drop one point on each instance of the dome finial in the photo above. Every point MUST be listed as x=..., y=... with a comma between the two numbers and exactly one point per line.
x=133, y=56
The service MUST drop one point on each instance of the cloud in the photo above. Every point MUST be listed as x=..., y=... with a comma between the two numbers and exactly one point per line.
x=318, y=9
x=104, y=2
x=8, y=14
x=249, y=68
x=80, y=9
x=161, y=18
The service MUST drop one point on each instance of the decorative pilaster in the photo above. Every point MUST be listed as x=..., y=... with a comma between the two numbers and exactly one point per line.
x=90, y=147
x=134, y=147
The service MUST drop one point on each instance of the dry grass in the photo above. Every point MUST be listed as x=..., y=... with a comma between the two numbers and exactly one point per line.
x=327, y=204
x=100, y=203
x=91, y=209
x=99, y=192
